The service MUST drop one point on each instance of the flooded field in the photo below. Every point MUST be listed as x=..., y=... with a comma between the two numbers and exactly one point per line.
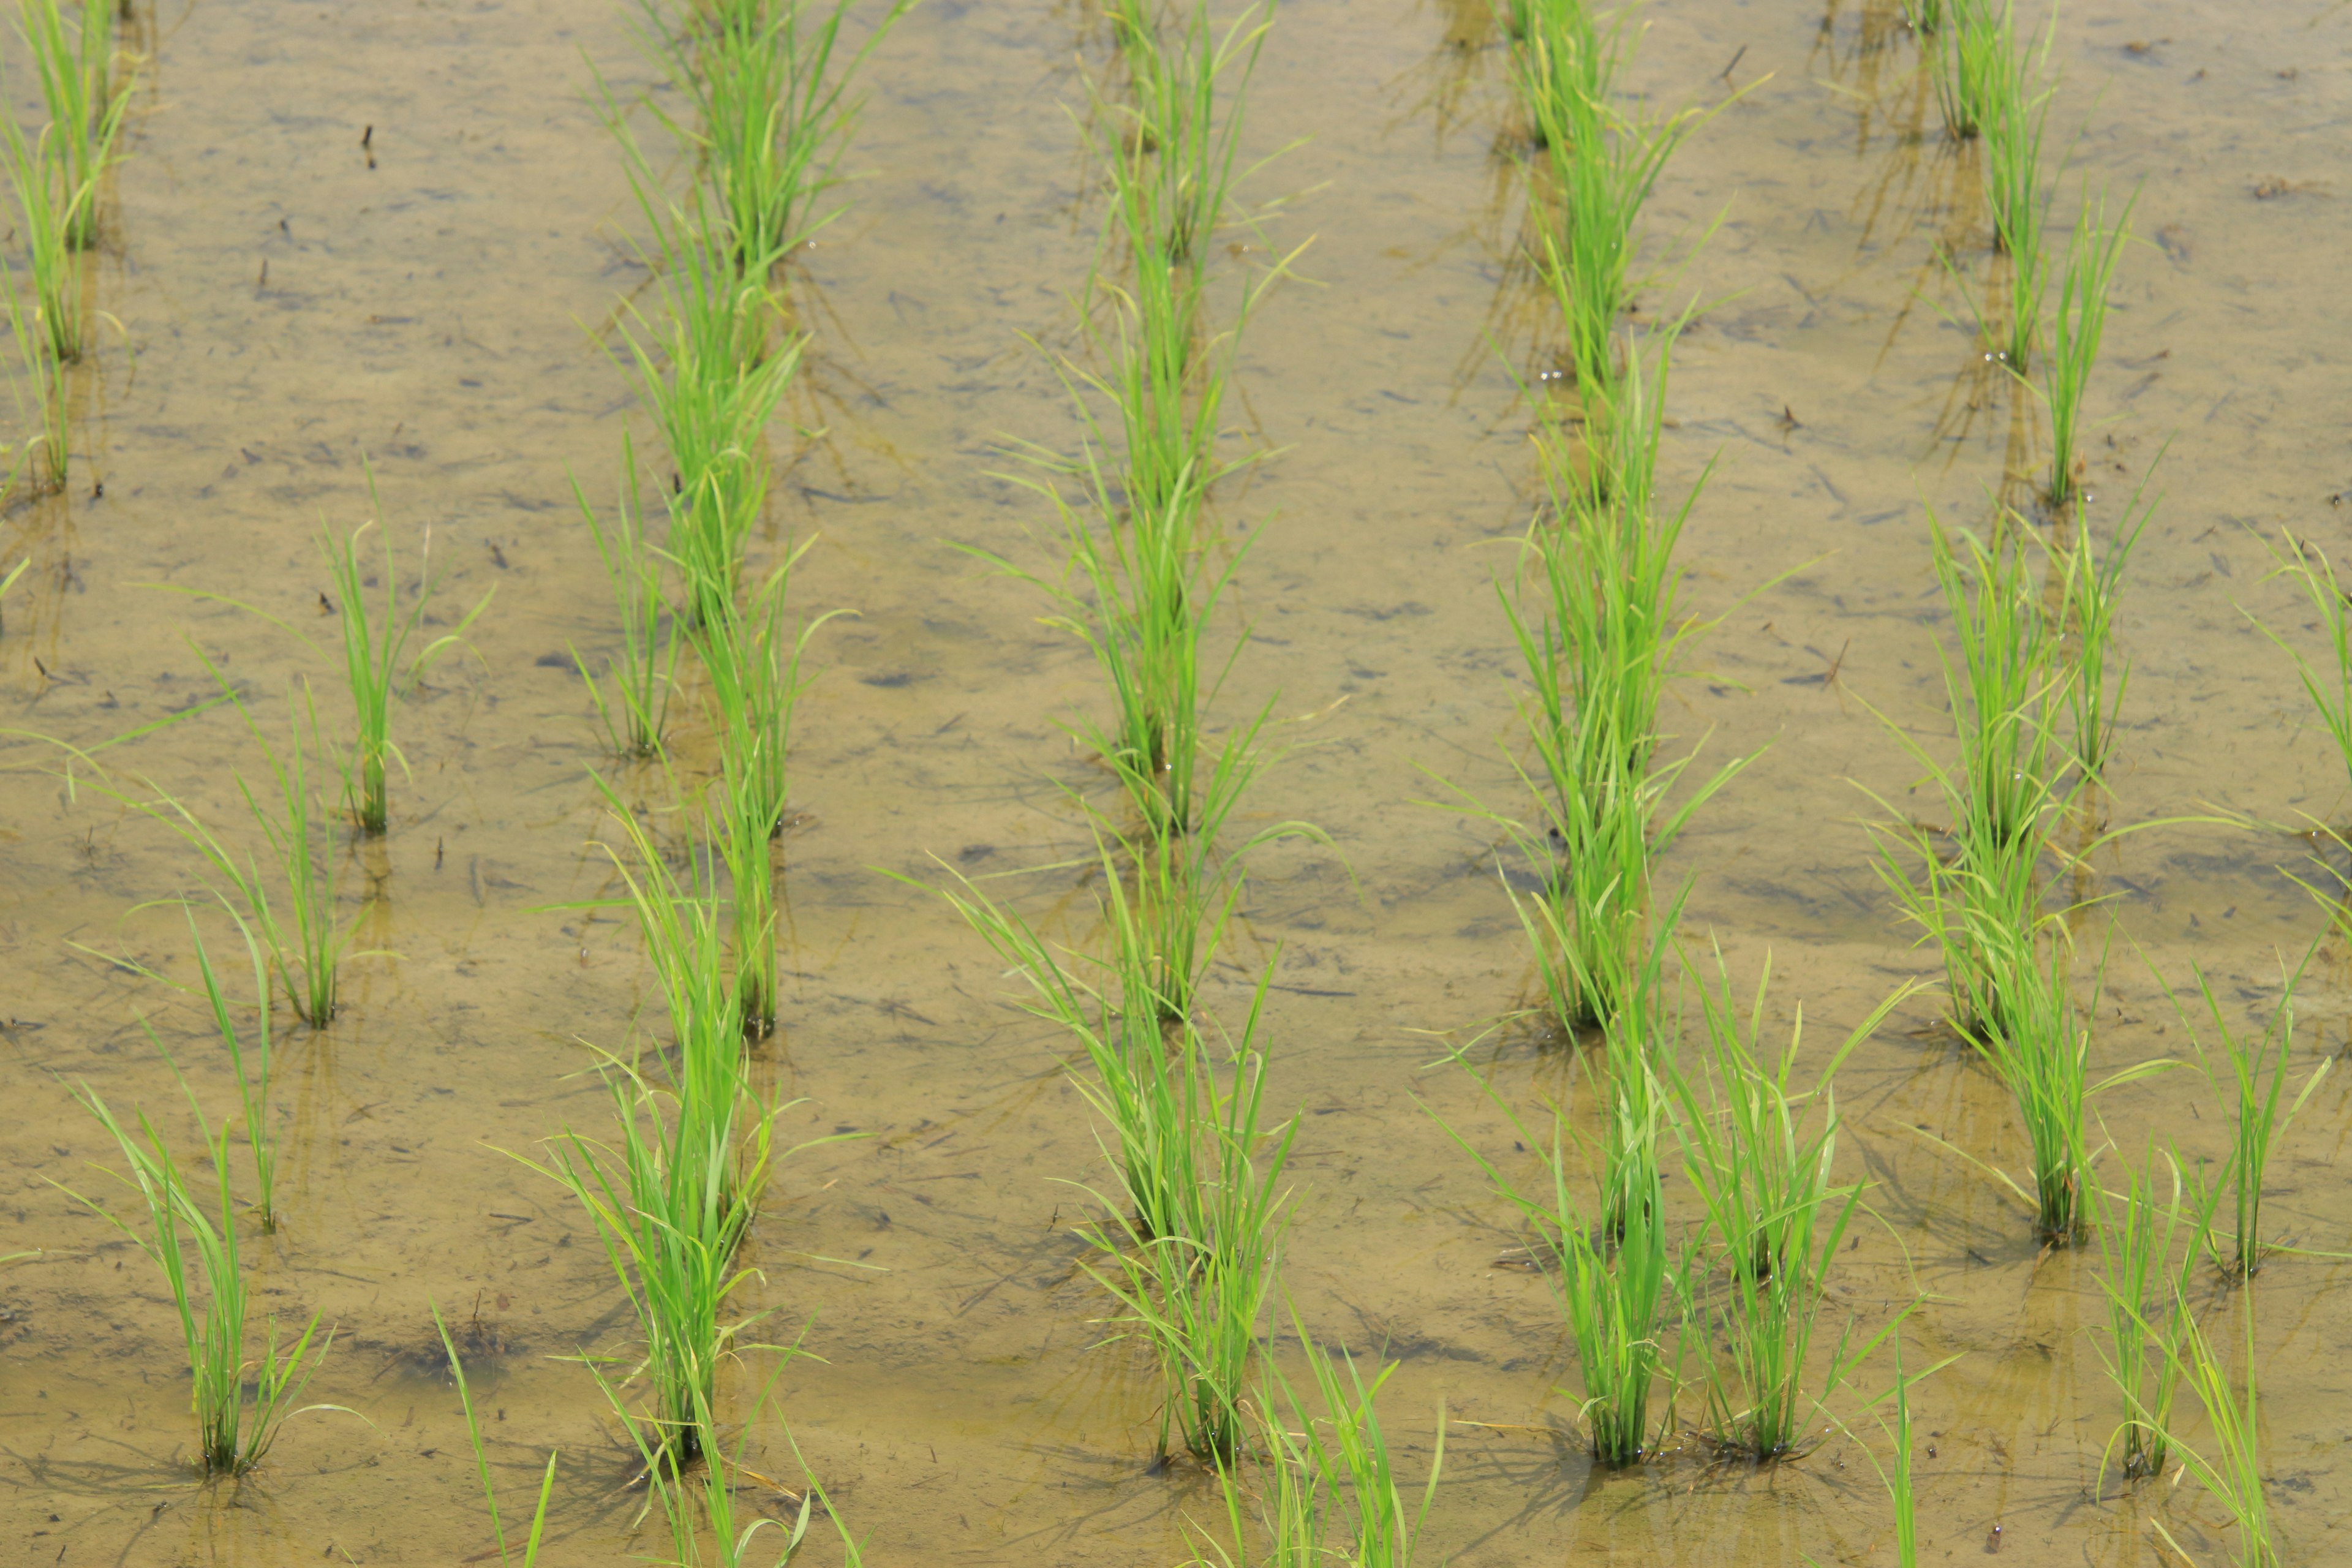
x=401, y=235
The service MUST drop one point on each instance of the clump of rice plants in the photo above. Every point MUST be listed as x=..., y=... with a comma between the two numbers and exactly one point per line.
x=1969, y=58
x=1602, y=161
x=251, y=1064
x=1980, y=902
x=2146, y=1294
x=2077, y=324
x=305, y=941
x=2041, y=1054
x=37, y=379
x=1189, y=1248
x=530, y=1553
x=2251, y=1079
x=240, y=1401
x=645, y=673
x=376, y=659
x=75, y=59
x=753, y=664
x=1324, y=1468
x=769, y=87
x=2233, y=1471
x=710, y=369
x=1596, y=614
x=2094, y=586
x=1609, y=1269
x=706, y=1523
x=1759, y=1154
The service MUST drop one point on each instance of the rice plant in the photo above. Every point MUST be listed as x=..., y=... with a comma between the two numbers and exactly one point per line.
x=2012, y=135
x=2094, y=586
x=1139, y=590
x=753, y=665
x=674, y=1193
x=377, y=663
x=75, y=63
x=1173, y=157
x=1980, y=900
x=1611, y=1272
x=1196, y=1213
x=644, y=674
x=769, y=84
x=1324, y=1470
x=707, y=1524
x=1759, y=1154
x=1597, y=616
x=2077, y=326
x=2251, y=1079
x=240, y=1403
x=2327, y=682
x=710, y=370
x=251, y=1064
x=1970, y=59
x=1603, y=163
x=2145, y=1288
x=2233, y=1473
x=1196, y=1294
x=530, y=1553
x=305, y=941
x=36, y=378
x=48, y=214
x=670, y=1201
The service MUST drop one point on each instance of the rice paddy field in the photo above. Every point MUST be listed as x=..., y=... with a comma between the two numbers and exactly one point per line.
x=1006, y=391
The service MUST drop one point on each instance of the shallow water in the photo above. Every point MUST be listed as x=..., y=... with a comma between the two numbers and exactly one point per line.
x=438, y=313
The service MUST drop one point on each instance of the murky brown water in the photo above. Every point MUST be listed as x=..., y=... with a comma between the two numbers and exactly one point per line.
x=430, y=313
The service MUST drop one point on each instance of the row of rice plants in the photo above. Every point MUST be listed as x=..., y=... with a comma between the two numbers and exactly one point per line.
x=1186, y=1241
x=674, y=1189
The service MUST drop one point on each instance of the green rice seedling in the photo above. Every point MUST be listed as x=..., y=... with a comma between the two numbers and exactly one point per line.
x=252, y=1080
x=1613, y=1290
x=1603, y=165
x=772, y=113
x=1971, y=57
x=1896, y=1472
x=707, y=1526
x=35, y=380
x=671, y=1201
x=711, y=372
x=2233, y=1472
x=305, y=941
x=2252, y=1079
x=1597, y=616
x=2020, y=110
x=75, y=62
x=1764, y=1175
x=2328, y=684
x=753, y=666
x=2077, y=326
x=376, y=659
x=1147, y=1088
x=1175, y=165
x=186, y=1235
x=47, y=216
x=1197, y=1294
x=1924, y=17
x=2042, y=1057
x=644, y=675
x=1355, y=1461
x=529, y=1554
x=2093, y=585
x=1138, y=590
x=674, y=1195
x=2144, y=1288
x=1332, y=1475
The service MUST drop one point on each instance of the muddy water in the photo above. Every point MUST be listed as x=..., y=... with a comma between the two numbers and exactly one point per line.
x=434, y=312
